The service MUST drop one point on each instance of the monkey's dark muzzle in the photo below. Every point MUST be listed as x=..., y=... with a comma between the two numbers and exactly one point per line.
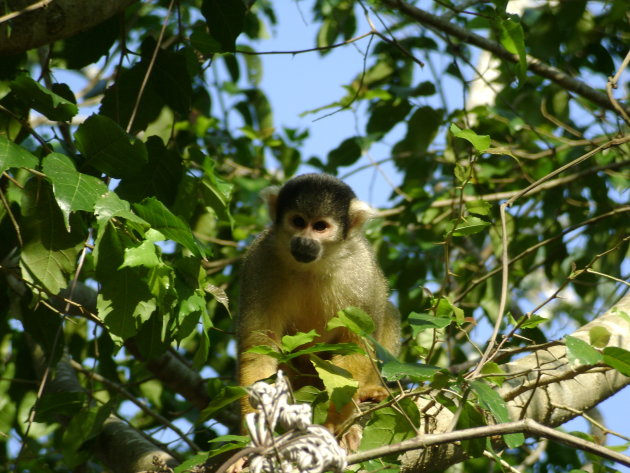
x=304, y=250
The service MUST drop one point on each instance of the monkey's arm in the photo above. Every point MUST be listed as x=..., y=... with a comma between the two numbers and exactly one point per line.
x=254, y=366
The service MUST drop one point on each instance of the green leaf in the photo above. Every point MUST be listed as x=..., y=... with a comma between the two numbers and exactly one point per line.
x=386, y=114
x=533, y=321
x=172, y=227
x=354, y=319
x=205, y=43
x=224, y=398
x=331, y=348
x=232, y=442
x=480, y=142
x=471, y=416
x=73, y=190
x=386, y=426
x=119, y=101
x=191, y=309
x=109, y=205
x=580, y=352
x=338, y=382
x=490, y=400
x=346, y=154
x=14, y=156
x=124, y=301
x=394, y=370
x=494, y=368
x=109, y=149
x=513, y=39
x=286, y=356
x=159, y=178
x=83, y=426
x=467, y=226
x=291, y=342
x=269, y=351
x=201, y=354
x=193, y=461
x=46, y=102
x=421, y=322
x=225, y=21
x=99, y=38
x=445, y=308
x=52, y=405
x=422, y=127
x=599, y=336
x=618, y=358
x=479, y=207
x=143, y=255
x=171, y=79
x=215, y=190
x=50, y=252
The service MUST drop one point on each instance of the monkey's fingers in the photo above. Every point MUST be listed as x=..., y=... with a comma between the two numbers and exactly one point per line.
x=371, y=392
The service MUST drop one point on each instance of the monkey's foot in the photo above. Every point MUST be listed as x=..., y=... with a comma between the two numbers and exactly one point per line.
x=372, y=393
x=351, y=440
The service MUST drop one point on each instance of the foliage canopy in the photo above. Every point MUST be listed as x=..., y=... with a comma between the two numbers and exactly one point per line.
x=131, y=157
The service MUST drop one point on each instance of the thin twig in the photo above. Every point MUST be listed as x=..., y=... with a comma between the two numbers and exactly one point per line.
x=592, y=271
x=308, y=50
x=145, y=79
x=29, y=8
x=612, y=84
x=14, y=222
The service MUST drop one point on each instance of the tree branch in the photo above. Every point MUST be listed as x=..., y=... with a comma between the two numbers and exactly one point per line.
x=33, y=27
x=535, y=65
x=525, y=426
x=550, y=381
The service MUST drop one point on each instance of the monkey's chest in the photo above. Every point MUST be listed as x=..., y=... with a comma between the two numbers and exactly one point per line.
x=309, y=305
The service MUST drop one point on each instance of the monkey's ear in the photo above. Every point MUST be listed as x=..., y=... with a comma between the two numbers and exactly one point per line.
x=270, y=196
x=359, y=213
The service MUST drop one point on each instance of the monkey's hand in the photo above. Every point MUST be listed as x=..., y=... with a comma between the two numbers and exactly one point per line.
x=372, y=393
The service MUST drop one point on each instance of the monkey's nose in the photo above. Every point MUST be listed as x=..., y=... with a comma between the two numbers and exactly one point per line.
x=304, y=250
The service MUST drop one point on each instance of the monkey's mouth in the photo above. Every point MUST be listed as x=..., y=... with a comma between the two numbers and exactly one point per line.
x=304, y=250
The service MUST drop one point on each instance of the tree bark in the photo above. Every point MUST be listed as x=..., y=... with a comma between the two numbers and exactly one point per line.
x=31, y=24
x=544, y=386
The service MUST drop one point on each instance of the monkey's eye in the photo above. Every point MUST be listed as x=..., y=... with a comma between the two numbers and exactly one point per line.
x=298, y=221
x=320, y=226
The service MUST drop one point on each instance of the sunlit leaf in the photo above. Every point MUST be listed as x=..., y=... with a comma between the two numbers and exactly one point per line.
x=354, y=319
x=73, y=190
x=618, y=358
x=338, y=382
x=162, y=219
x=394, y=370
x=14, y=156
x=492, y=401
x=513, y=39
x=480, y=142
x=580, y=352
x=45, y=101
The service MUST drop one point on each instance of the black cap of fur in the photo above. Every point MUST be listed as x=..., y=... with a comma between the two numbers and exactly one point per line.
x=316, y=195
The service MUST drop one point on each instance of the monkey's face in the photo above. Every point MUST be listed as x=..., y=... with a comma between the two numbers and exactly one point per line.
x=309, y=237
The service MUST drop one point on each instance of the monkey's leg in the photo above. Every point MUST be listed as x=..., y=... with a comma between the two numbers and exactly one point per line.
x=253, y=367
x=370, y=388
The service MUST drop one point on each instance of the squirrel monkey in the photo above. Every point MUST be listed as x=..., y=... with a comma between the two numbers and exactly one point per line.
x=312, y=262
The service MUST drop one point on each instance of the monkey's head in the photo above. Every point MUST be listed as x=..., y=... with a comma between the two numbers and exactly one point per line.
x=313, y=213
